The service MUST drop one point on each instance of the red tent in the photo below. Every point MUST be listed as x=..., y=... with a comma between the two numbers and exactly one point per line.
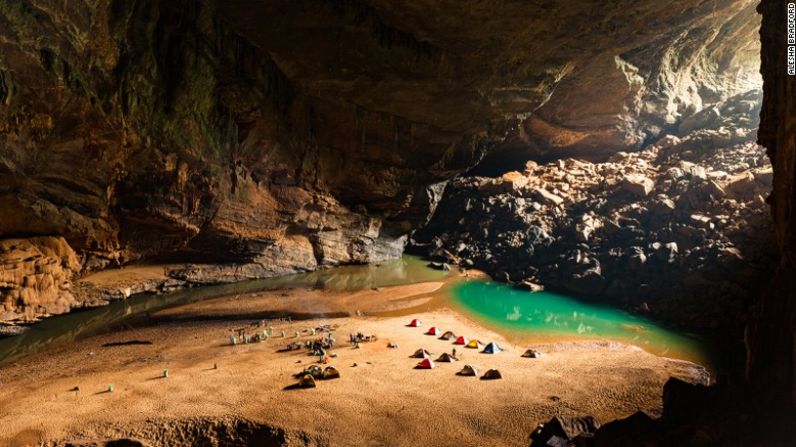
x=433, y=331
x=462, y=340
x=425, y=364
x=414, y=323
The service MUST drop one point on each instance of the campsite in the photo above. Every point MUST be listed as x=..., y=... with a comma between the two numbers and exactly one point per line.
x=417, y=380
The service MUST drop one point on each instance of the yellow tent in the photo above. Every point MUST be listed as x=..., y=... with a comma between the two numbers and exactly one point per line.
x=476, y=344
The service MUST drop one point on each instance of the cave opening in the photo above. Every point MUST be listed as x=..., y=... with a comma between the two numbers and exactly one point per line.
x=568, y=196
x=659, y=209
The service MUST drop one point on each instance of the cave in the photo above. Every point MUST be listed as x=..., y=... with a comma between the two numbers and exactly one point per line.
x=199, y=199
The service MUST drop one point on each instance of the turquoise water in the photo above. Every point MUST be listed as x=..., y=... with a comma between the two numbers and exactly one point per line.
x=519, y=315
x=526, y=315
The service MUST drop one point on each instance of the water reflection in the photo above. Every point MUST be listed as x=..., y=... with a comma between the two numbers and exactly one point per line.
x=71, y=326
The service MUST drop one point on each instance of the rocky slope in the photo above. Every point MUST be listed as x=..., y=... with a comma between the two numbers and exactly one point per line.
x=678, y=229
x=260, y=138
x=760, y=408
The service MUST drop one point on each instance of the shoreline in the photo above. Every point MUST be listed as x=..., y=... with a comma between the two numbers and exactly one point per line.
x=433, y=300
x=607, y=380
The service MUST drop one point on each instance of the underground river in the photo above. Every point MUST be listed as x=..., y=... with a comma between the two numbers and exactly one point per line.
x=520, y=316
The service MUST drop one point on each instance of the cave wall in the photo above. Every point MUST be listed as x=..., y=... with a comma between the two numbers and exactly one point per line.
x=772, y=337
x=137, y=129
x=578, y=78
x=651, y=87
x=759, y=411
x=134, y=127
x=285, y=135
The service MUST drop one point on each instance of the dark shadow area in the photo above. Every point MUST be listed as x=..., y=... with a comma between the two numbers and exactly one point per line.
x=226, y=432
x=127, y=343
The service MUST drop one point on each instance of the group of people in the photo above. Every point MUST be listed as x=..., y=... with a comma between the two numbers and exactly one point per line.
x=359, y=337
x=240, y=335
x=318, y=347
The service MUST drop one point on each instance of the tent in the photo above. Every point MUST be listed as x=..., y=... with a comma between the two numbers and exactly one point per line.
x=306, y=381
x=475, y=344
x=447, y=358
x=492, y=374
x=433, y=331
x=331, y=373
x=448, y=335
x=425, y=364
x=421, y=354
x=462, y=340
x=314, y=370
x=414, y=323
x=468, y=370
x=532, y=354
x=491, y=348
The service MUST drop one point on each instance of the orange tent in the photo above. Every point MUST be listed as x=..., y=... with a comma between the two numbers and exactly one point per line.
x=414, y=323
x=425, y=364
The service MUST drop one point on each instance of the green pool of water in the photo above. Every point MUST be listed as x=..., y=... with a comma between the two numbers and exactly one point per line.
x=521, y=316
x=524, y=315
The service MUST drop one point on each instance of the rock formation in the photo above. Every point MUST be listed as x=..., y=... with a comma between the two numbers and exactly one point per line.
x=258, y=138
x=678, y=229
x=35, y=276
x=772, y=339
x=760, y=409
x=248, y=139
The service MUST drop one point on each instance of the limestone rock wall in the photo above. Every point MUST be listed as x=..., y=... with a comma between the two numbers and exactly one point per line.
x=286, y=135
x=35, y=277
x=772, y=338
x=760, y=410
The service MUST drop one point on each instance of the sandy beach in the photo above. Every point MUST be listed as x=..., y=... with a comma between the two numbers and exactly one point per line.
x=61, y=395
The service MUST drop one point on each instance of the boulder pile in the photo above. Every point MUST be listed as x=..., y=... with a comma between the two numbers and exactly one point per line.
x=679, y=229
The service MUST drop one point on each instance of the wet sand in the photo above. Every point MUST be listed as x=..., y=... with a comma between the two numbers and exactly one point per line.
x=381, y=401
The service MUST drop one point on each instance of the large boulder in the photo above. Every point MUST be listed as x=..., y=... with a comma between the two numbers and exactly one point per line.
x=703, y=118
x=638, y=185
x=558, y=431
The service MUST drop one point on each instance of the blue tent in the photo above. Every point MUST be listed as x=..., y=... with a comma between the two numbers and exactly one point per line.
x=491, y=348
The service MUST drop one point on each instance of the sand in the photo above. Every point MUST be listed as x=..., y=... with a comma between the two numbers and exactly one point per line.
x=129, y=275
x=381, y=401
